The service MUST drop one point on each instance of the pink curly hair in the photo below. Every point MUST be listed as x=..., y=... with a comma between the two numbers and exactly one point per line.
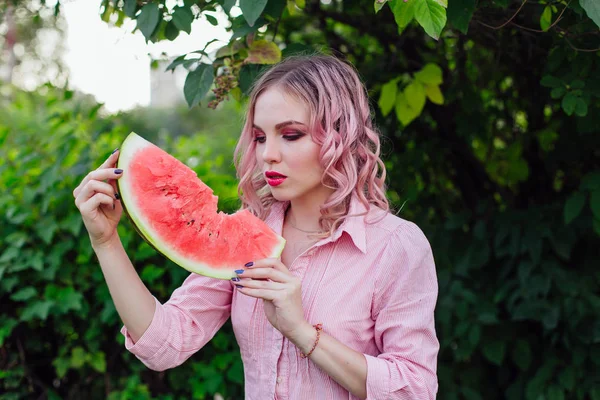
x=340, y=122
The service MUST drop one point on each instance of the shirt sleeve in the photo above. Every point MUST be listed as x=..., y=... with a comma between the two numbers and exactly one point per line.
x=403, y=308
x=184, y=324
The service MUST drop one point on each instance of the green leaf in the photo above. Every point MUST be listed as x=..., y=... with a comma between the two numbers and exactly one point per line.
x=558, y=92
x=77, y=357
x=555, y=393
x=573, y=207
x=98, y=361
x=577, y=84
x=521, y=355
x=176, y=62
x=130, y=8
x=434, y=94
x=569, y=103
x=474, y=335
x=151, y=272
x=241, y=28
x=595, y=203
x=46, y=229
x=592, y=9
x=379, y=5
x=590, y=181
x=248, y=74
x=404, y=12
x=39, y=309
x=431, y=16
x=567, y=378
x=387, y=99
x=171, y=31
x=581, y=107
x=183, y=18
x=6, y=327
x=415, y=96
x=212, y=20
x=197, y=84
x=550, y=318
x=460, y=13
x=148, y=19
x=546, y=18
x=24, y=294
x=230, y=49
x=9, y=254
x=404, y=112
x=430, y=74
x=72, y=223
x=251, y=9
x=227, y=5
x=494, y=350
x=263, y=52
x=66, y=298
x=61, y=365
x=550, y=81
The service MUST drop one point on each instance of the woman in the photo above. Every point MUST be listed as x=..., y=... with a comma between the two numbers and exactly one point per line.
x=348, y=310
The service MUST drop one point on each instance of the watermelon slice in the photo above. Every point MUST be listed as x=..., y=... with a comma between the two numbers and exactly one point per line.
x=176, y=213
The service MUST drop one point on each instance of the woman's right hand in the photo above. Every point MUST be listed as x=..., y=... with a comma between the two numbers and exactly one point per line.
x=95, y=197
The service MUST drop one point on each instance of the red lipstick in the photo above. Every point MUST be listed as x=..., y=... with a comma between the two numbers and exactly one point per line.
x=274, y=178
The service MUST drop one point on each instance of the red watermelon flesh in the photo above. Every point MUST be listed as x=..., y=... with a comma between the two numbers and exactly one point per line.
x=177, y=214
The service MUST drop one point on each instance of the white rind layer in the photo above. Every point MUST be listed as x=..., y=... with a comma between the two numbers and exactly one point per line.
x=131, y=145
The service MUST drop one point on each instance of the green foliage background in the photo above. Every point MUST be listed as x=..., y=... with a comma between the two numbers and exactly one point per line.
x=500, y=168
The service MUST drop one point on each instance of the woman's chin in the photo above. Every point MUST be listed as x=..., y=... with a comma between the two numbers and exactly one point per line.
x=280, y=195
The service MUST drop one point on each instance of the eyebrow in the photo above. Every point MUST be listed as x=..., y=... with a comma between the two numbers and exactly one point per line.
x=281, y=124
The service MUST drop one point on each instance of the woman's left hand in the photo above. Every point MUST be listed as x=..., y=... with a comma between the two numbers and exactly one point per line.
x=281, y=293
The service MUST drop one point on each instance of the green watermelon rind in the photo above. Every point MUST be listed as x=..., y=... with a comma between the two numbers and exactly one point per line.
x=132, y=143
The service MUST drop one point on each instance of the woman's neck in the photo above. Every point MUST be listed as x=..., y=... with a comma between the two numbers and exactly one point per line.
x=304, y=214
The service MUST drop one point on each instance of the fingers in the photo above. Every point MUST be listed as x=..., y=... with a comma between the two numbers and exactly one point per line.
x=98, y=175
x=255, y=284
x=264, y=270
x=264, y=294
x=93, y=187
x=269, y=263
x=88, y=207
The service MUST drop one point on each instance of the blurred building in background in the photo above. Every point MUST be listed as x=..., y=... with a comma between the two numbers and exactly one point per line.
x=166, y=87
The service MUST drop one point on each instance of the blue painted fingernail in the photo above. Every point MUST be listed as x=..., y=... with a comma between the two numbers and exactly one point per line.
x=235, y=279
x=114, y=151
x=118, y=171
x=117, y=196
x=239, y=271
x=249, y=264
x=240, y=286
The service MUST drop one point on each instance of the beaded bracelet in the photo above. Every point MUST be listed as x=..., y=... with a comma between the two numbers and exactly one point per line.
x=319, y=328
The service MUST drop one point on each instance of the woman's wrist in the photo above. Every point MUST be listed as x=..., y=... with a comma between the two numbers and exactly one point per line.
x=112, y=243
x=304, y=337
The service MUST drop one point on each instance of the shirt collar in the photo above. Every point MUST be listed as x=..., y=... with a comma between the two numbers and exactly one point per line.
x=354, y=226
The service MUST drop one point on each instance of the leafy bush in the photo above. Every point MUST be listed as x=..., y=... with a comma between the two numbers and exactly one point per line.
x=59, y=330
x=514, y=229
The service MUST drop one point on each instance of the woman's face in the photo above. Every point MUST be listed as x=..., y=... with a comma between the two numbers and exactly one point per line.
x=284, y=146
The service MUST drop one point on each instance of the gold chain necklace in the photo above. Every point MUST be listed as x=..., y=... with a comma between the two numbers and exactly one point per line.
x=299, y=229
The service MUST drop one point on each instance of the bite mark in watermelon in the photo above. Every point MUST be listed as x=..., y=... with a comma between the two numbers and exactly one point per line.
x=176, y=213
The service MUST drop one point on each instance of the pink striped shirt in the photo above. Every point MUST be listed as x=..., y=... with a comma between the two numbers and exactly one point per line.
x=373, y=286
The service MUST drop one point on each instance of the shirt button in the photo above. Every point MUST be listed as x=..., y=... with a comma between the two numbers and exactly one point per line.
x=279, y=379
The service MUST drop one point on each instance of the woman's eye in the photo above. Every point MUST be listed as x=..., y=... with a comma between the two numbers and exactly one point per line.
x=293, y=136
x=260, y=139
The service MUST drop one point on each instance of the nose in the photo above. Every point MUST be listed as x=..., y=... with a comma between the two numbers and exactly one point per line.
x=271, y=153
